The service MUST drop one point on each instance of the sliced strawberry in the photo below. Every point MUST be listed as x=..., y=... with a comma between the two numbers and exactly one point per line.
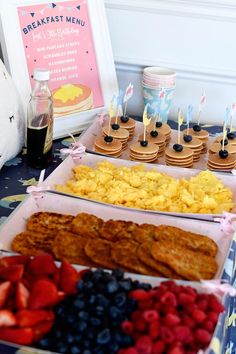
x=68, y=278
x=41, y=329
x=22, y=296
x=42, y=264
x=5, y=288
x=22, y=336
x=13, y=272
x=29, y=318
x=43, y=294
x=7, y=318
x=6, y=261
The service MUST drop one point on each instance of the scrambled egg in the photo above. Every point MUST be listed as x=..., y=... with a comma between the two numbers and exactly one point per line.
x=137, y=187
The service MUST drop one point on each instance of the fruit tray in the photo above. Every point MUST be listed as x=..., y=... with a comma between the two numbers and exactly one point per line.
x=88, y=137
x=220, y=340
x=51, y=202
x=64, y=172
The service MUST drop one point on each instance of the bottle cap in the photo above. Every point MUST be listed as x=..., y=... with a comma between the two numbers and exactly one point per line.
x=41, y=74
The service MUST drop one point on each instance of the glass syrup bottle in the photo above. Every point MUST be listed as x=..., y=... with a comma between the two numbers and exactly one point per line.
x=40, y=122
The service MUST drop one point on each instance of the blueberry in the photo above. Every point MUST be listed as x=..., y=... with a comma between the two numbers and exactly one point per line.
x=124, y=119
x=112, y=286
x=118, y=273
x=80, y=285
x=118, y=337
x=113, y=347
x=223, y=154
x=115, y=126
x=231, y=135
x=225, y=142
x=71, y=319
x=79, y=304
x=104, y=336
x=86, y=344
x=154, y=133
x=178, y=147
x=44, y=343
x=99, y=310
x=95, y=322
x=81, y=326
x=101, y=300
x=75, y=350
x=70, y=338
x=60, y=311
x=88, y=286
x=144, y=286
x=120, y=299
x=126, y=284
x=88, y=276
x=127, y=341
x=158, y=124
x=83, y=315
x=92, y=300
x=108, y=139
x=87, y=351
x=197, y=128
x=188, y=138
x=144, y=143
x=78, y=338
x=115, y=313
x=62, y=347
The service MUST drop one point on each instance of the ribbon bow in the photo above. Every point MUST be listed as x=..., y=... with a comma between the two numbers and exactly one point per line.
x=218, y=287
x=76, y=150
x=37, y=190
x=228, y=225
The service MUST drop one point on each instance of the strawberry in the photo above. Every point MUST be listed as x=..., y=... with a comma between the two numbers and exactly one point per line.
x=13, y=272
x=42, y=264
x=23, y=336
x=29, y=318
x=41, y=329
x=6, y=261
x=5, y=288
x=68, y=278
x=7, y=318
x=43, y=294
x=22, y=296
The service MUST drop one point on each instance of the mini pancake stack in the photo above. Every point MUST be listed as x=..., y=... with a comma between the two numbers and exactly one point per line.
x=162, y=128
x=231, y=137
x=144, y=151
x=120, y=134
x=216, y=147
x=108, y=146
x=222, y=160
x=197, y=132
x=156, y=138
x=194, y=144
x=126, y=123
x=180, y=156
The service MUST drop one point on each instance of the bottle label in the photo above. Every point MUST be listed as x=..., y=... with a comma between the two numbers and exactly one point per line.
x=49, y=135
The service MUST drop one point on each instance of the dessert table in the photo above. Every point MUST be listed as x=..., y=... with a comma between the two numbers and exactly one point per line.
x=16, y=176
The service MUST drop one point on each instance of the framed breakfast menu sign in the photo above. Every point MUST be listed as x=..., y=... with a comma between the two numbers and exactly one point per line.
x=71, y=39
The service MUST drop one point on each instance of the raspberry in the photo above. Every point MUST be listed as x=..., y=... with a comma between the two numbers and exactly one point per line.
x=130, y=350
x=215, y=305
x=168, y=298
x=169, y=309
x=154, y=329
x=184, y=299
x=157, y=306
x=208, y=325
x=212, y=316
x=171, y=320
x=198, y=315
x=188, y=321
x=202, y=305
x=150, y=315
x=176, y=350
x=202, y=336
x=145, y=305
x=140, y=295
x=167, y=335
x=144, y=345
x=158, y=347
x=136, y=316
x=190, y=307
x=127, y=327
x=190, y=291
x=183, y=333
x=140, y=326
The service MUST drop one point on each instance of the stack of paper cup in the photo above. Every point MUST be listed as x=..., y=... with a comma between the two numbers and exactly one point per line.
x=156, y=80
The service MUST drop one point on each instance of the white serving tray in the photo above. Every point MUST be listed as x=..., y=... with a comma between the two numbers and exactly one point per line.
x=64, y=172
x=51, y=202
x=88, y=137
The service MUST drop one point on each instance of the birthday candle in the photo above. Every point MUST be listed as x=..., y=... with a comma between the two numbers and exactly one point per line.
x=157, y=117
x=112, y=113
x=224, y=135
x=146, y=121
x=128, y=94
x=180, y=122
x=162, y=97
x=201, y=105
x=232, y=113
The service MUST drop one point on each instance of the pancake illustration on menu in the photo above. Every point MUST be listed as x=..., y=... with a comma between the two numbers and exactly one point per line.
x=71, y=98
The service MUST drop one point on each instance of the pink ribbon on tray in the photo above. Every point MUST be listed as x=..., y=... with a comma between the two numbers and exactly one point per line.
x=37, y=190
x=76, y=150
x=228, y=224
x=218, y=288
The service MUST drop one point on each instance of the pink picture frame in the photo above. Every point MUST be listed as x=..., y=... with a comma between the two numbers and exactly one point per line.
x=71, y=39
